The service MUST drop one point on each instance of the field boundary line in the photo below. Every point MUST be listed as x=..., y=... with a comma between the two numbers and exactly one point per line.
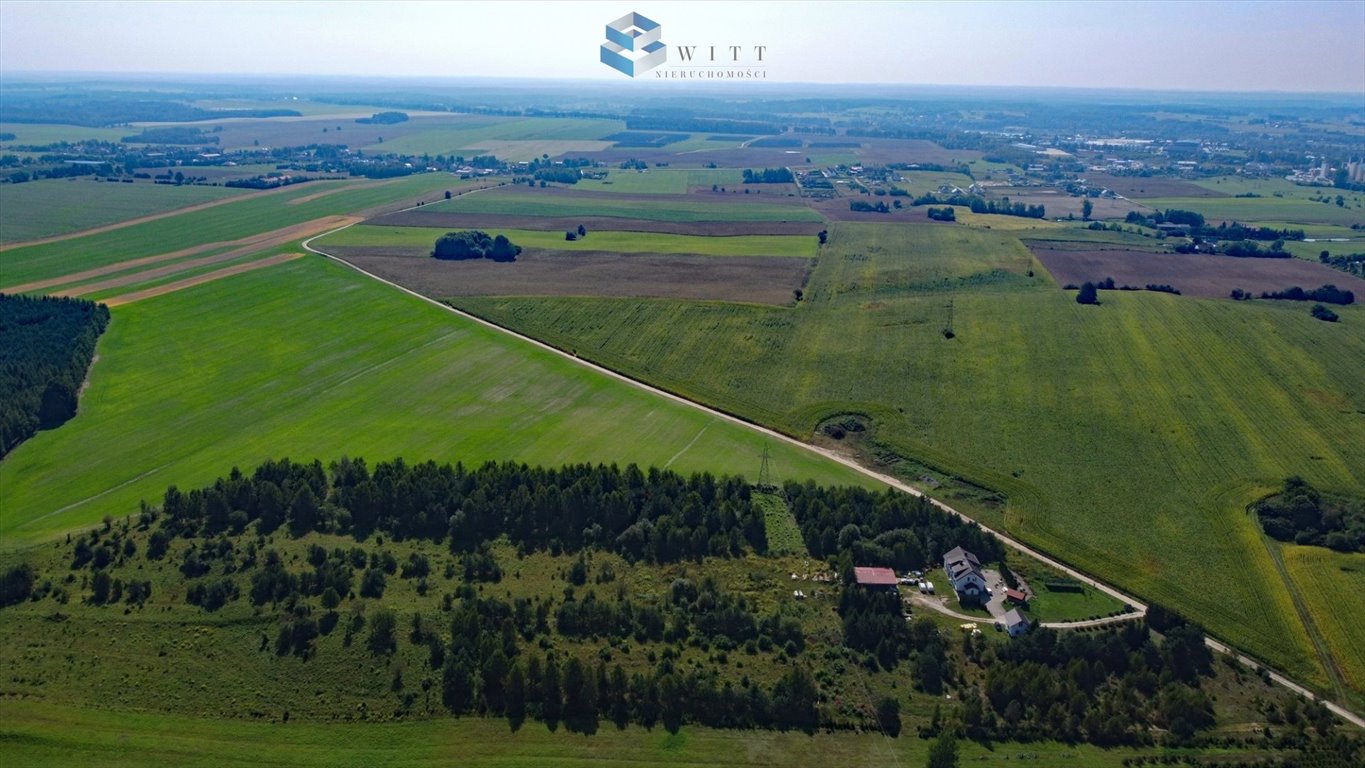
x=1139, y=607
x=691, y=443
x=207, y=277
x=144, y=219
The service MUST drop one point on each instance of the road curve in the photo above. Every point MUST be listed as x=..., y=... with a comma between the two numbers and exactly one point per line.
x=1139, y=607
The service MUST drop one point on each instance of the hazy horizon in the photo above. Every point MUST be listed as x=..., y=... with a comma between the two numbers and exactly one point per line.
x=1199, y=47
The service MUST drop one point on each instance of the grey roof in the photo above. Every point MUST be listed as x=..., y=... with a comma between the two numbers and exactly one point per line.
x=958, y=562
x=1013, y=617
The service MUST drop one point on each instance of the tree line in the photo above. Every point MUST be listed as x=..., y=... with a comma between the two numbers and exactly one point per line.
x=768, y=176
x=1002, y=207
x=49, y=343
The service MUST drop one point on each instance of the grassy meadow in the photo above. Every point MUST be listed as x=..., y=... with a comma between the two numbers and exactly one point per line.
x=50, y=207
x=596, y=240
x=1129, y=437
x=309, y=358
x=37, y=734
x=513, y=139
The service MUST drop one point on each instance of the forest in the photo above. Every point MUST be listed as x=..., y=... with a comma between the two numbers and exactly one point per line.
x=49, y=343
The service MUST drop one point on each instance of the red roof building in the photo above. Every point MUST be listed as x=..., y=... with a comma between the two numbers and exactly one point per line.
x=1016, y=596
x=875, y=577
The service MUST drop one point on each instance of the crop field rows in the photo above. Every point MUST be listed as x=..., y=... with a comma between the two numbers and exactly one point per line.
x=39, y=209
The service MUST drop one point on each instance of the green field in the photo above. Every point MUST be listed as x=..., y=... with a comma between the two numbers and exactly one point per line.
x=1128, y=437
x=38, y=734
x=227, y=222
x=193, y=382
x=55, y=207
x=44, y=133
x=519, y=202
x=1323, y=577
x=663, y=180
x=488, y=135
x=596, y=240
x=1298, y=211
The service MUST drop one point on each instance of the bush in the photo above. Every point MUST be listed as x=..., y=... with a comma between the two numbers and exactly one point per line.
x=1324, y=314
x=1088, y=294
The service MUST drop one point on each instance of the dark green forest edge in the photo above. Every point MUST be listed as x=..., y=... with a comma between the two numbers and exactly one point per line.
x=47, y=347
x=298, y=554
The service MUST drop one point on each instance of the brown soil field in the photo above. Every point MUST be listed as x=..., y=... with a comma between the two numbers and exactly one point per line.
x=1153, y=186
x=244, y=246
x=539, y=272
x=1191, y=274
x=219, y=274
x=594, y=223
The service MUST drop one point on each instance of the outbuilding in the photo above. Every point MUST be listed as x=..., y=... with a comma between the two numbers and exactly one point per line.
x=1015, y=623
x=876, y=578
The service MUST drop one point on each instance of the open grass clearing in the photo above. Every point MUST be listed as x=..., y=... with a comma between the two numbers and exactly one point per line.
x=1192, y=274
x=428, y=217
x=361, y=370
x=39, y=734
x=30, y=134
x=596, y=240
x=48, y=207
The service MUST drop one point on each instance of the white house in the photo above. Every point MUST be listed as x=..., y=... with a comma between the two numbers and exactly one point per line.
x=1015, y=623
x=964, y=573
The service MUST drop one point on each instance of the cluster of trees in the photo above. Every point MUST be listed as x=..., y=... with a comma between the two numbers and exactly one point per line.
x=1301, y=514
x=474, y=244
x=1329, y=294
x=896, y=530
x=1003, y=207
x=558, y=175
x=946, y=213
x=384, y=118
x=265, y=182
x=572, y=235
x=658, y=516
x=49, y=343
x=1323, y=313
x=705, y=611
x=1197, y=227
x=862, y=206
x=1108, y=688
x=768, y=176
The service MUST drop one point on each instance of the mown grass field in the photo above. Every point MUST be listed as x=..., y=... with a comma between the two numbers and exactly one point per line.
x=596, y=240
x=37, y=734
x=663, y=180
x=39, y=209
x=519, y=202
x=231, y=221
x=1129, y=437
x=309, y=358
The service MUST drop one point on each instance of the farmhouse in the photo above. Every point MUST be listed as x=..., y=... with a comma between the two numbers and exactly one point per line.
x=964, y=573
x=1015, y=623
x=876, y=578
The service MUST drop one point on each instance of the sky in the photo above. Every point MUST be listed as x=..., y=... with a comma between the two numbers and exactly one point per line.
x=1243, y=45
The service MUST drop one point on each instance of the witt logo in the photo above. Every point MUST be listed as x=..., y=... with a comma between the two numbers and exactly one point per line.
x=633, y=46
